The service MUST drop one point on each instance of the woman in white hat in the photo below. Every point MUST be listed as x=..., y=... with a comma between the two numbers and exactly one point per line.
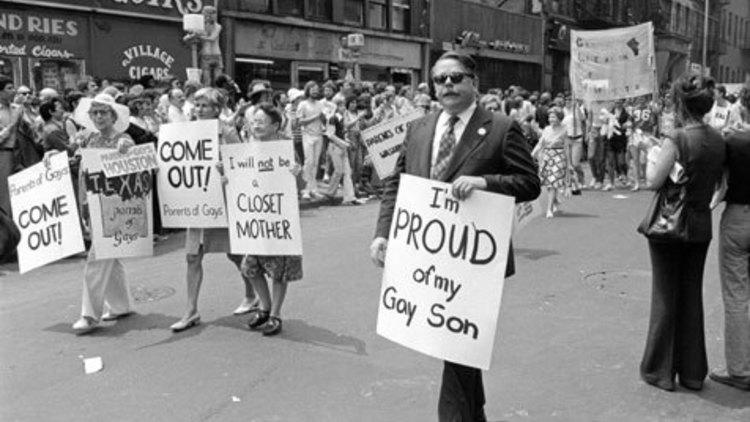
x=103, y=280
x=198, y=242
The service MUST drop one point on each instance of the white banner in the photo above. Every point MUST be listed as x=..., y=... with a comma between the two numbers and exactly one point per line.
x=525, y=212
x=262, y=200
x=45, y=210
x=445, y=270
x=384, y=142
x=190, y=191
x=613, y=64
x=139, y=158
x=120, y=210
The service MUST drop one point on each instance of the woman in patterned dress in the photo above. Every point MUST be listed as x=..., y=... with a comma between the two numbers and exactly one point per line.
x=551, y=152
x=208, y=105
x=280, y=269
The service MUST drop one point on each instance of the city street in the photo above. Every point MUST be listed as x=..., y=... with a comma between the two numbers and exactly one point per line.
x=571, y=333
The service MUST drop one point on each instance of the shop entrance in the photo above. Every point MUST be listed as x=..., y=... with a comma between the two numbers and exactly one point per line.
x=302, y=72
x=10, y=67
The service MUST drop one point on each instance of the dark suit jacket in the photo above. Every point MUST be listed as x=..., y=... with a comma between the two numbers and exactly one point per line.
x=501, y=156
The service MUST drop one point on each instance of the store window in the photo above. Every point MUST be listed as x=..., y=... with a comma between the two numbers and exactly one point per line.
x=401, y=15
x=320, y=9
x=10, y=67
x=54, y=73
x=291, y=7
x=377, y=14
x=354, y=11
x=275, y=71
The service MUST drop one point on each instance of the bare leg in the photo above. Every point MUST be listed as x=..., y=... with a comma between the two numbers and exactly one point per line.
x=551, y=199
x=261, y=289
x=279, y=293
x=194, y=281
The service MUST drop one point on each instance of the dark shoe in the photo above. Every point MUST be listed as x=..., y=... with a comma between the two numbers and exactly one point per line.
x=691, y=384
x=576, y=192
x=272, y=327
x=666, y=385
x=743, y=383
x=258, y=317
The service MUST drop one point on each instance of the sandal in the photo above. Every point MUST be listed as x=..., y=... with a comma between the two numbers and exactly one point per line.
x=272, y=327
x=258, y=317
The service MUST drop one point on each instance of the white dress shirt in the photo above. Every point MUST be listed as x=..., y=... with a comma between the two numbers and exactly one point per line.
x=443, y=124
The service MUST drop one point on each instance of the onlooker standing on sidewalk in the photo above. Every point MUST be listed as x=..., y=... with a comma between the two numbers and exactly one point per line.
x=676, y=344
x=312, y=122
x=734, y=260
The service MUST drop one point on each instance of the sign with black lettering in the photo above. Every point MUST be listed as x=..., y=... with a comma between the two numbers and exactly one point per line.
x=120, y=212
x=45, y=211
x=190, y=191
x=385, y=140
x=444, y=271
x=139, y=158
x=262, y=198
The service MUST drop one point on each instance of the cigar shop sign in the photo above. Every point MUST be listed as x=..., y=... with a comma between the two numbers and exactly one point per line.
x=42, y=35
x=147, y=59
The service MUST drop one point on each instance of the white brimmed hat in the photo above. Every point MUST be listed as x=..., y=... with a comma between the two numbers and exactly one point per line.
x=81, y=113
x=295, y=94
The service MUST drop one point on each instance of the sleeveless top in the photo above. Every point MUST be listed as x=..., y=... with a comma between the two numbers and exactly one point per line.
x=702, y=154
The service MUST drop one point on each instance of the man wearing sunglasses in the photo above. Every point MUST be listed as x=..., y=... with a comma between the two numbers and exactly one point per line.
x=470, y=148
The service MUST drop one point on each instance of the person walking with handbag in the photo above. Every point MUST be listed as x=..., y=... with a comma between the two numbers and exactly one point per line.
x=734, y=260
x=679, y=232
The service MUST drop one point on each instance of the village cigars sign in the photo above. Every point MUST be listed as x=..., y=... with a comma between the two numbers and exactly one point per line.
x=147, y=59
x=613, y=64
x=42, y=35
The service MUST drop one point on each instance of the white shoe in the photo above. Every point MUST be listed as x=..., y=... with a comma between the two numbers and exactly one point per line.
x=607, y=187
x=245, y=307
x=85, y=325
x=306, y=196
x=550, y=214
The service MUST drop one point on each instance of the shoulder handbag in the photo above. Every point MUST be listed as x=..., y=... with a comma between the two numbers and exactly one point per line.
x=666, y=217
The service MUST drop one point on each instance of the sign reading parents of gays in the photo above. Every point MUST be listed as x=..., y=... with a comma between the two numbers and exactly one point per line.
x=613, y=64
x=385, y=140
x=139, y=158
x=120, y=209
x=262, y=198
x=190, y=191
x=444, y=271
x=45, y=211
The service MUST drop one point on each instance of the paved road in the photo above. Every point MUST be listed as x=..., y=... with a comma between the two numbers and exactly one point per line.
x=569, y=341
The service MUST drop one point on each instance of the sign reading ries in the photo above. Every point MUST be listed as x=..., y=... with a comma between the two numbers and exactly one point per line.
x=385, y=141
x=444, y=271
x=262, y=201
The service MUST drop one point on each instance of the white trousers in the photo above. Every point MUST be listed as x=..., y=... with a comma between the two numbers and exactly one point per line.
x=104, y=284
x=342, y=172
x=312, y=145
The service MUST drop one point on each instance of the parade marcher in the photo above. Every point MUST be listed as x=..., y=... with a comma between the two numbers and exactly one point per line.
x=719, y=117
x=9, y=118
x=54, y=136
x=104, y=283
x=675, y=344
x=338, y=148
x=734, y=262
x=176, y=102
x=198, y=242
x=312, y=121
x=644, y=117
x=553, y=152
x=667, y=118
x=574, y=122
x=595, y=151
x=512, y=173
x=280, y=269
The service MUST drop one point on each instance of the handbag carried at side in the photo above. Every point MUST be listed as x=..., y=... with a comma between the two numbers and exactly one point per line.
x=666, y=219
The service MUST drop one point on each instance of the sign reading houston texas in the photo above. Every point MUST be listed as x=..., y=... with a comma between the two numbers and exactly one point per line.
x=444, y=271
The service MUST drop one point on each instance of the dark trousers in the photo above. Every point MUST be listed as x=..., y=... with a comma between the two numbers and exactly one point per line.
x=461, y=394
x=676, y=342
x=597, y=158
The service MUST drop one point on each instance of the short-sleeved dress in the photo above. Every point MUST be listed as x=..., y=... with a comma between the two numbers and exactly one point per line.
x=553, y=164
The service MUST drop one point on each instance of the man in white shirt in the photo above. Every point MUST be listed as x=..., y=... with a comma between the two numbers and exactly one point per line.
x=176, y=102
x=720, y=115
x=313, y=123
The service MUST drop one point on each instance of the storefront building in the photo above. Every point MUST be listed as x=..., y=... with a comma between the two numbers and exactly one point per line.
x=506, y=46
x=56, y=43
x=291, y=42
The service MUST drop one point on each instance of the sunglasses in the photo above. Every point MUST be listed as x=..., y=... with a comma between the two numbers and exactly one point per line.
x=24, y=93
x=98, y=112
x=455, y=77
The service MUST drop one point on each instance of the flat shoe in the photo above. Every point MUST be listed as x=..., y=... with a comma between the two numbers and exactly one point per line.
x=245, y=308
x=184, y=324
x=692, y=384
x=743, y=383
x=258, y=317
x=272, y=327
x=85, y=325
x=664, y=385
x=112, y=317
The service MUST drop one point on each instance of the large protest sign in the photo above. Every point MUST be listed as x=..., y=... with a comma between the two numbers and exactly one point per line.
x=262, y=200
x=525, y=212
x=120, y=212
x=613, y=64
x=444, y=271
x=139, y=158
x=190, y=191
x=45, y=211
x=385, y=140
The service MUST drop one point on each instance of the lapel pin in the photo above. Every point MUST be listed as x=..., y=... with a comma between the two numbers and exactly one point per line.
x=481, y=131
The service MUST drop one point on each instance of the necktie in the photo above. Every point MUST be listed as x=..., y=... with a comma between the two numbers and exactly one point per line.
x=445, y=150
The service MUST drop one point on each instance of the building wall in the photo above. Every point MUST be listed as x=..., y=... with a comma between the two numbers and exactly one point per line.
x=734, y=65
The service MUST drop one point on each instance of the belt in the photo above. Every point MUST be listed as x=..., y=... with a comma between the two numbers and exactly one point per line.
x=575, y=137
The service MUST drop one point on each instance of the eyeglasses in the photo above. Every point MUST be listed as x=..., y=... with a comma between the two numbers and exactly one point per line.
x=23, y=93
x=455, y=77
